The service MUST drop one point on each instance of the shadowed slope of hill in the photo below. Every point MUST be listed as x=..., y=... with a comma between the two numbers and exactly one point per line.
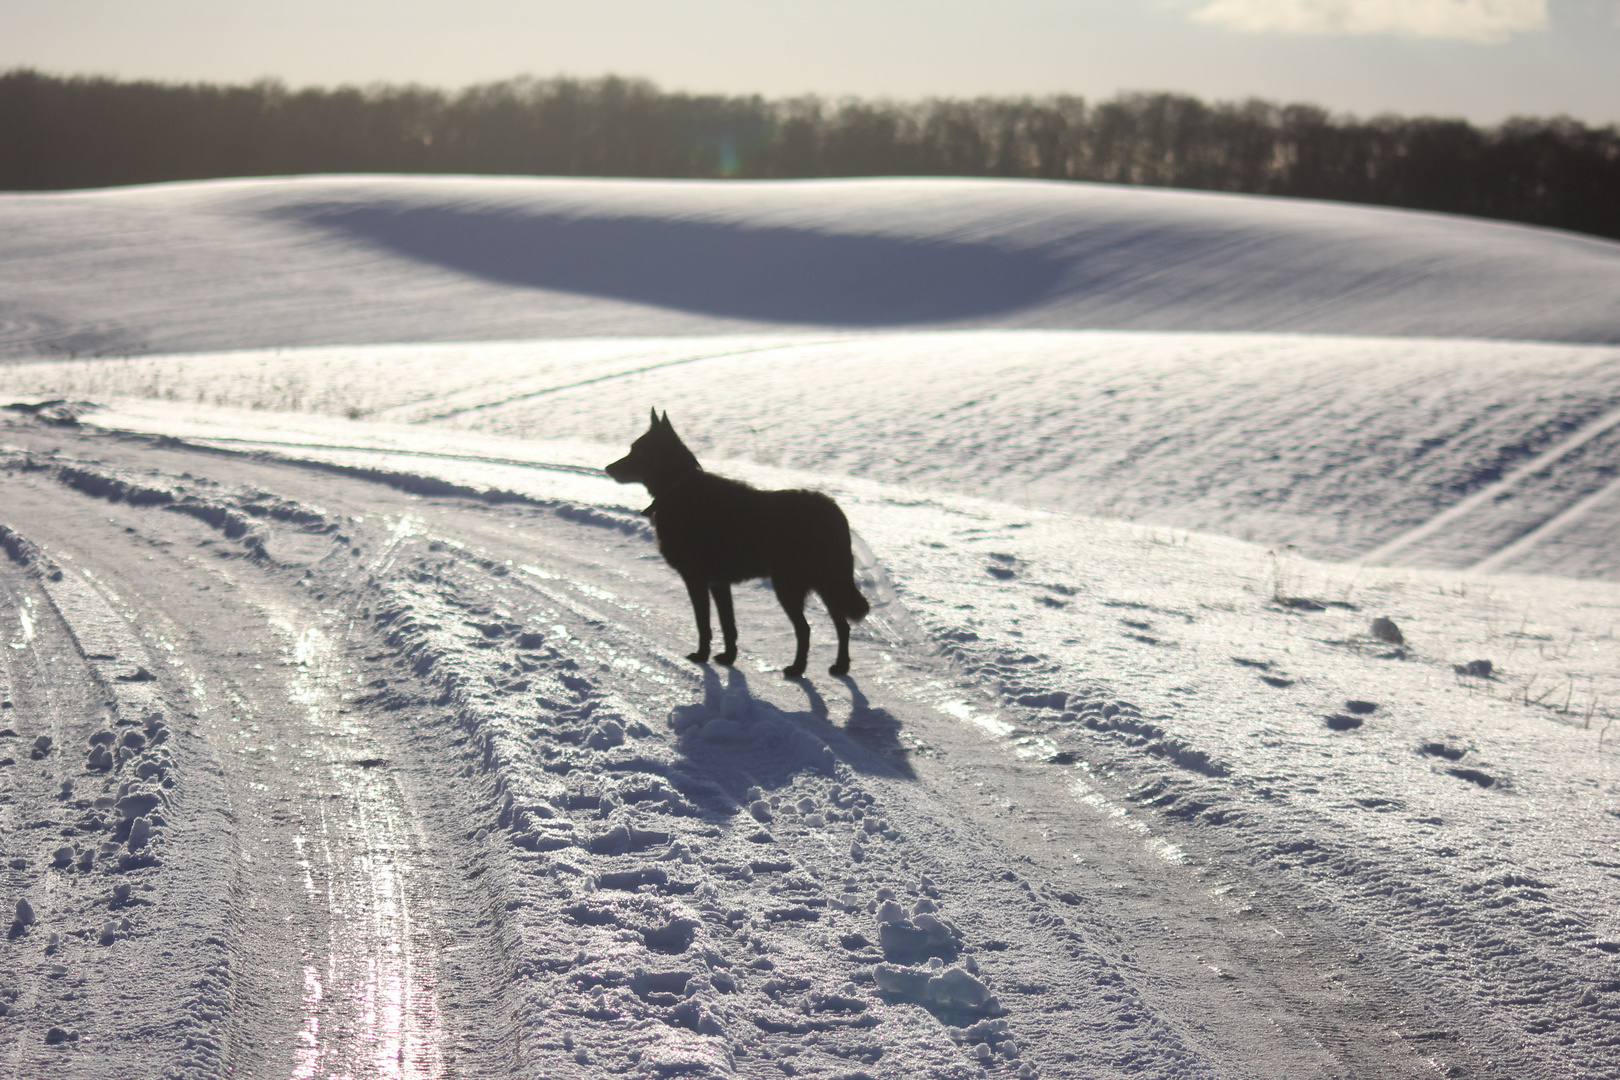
x=738, y=270
x=321, y=260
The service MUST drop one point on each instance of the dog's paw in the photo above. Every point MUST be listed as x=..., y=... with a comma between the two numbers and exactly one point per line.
x=839, y=669
x=727, y=658
x=794, y=671
x=699, y=657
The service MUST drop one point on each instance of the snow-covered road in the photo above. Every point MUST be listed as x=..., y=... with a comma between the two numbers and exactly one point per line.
x=446, y=800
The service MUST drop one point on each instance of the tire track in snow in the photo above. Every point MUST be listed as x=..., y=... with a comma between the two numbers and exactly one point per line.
x=92, y=670
x=629, y=373
x=29, y=690
x=309, y=787
x=1549, y=530
x=1385, y=553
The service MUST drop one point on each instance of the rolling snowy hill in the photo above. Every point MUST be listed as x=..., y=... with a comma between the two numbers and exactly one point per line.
x=330, y=260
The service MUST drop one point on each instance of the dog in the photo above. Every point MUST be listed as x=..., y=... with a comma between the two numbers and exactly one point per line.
x=716, y=532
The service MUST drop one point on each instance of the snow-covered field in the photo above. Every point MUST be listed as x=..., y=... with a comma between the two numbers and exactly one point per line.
x=404, y=771
x=346, y=260
x=1339, y=446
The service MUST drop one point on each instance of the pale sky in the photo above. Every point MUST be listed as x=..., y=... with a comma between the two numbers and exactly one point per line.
x=1483, y=60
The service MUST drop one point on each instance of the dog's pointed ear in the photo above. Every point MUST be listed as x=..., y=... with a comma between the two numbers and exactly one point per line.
x=666, y=420
x=654, y=417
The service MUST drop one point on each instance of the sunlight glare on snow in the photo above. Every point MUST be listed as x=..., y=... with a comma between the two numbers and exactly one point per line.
x=26, y=620
x=963, y=711
x=307, y=1056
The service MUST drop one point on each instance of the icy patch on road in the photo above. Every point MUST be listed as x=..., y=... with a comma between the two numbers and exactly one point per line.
x=963, y=711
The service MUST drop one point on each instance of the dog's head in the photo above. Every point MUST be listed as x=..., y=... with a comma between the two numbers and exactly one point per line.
x=656, y=459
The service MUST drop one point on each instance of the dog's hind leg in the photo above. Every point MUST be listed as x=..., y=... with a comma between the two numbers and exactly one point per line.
x=841, y=664
x=791, y=595
x=699, y=592
x=728, y=622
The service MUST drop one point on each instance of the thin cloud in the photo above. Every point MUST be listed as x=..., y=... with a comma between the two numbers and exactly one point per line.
x=1487, y=21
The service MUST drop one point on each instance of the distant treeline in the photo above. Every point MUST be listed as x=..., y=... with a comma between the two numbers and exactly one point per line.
x=58, y=133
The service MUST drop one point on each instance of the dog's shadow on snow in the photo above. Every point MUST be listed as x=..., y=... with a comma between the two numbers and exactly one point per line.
x=876, y=729
x=732, y=729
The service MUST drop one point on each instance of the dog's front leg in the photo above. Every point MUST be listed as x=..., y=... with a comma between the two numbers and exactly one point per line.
x=728, y=622
x=699, y=592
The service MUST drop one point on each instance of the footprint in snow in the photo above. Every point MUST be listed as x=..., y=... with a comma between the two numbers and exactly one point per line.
x=1474, y=776
x=1264, y=665
x=1061, y=600
x=1004, y=567
x=1358, y=709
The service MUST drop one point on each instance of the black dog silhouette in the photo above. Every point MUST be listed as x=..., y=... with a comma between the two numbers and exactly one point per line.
x=716, y=531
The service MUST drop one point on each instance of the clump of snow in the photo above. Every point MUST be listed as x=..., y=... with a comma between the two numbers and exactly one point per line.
x=23, y=917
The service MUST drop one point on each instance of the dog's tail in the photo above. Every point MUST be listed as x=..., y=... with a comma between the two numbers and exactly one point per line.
x=844, y=598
